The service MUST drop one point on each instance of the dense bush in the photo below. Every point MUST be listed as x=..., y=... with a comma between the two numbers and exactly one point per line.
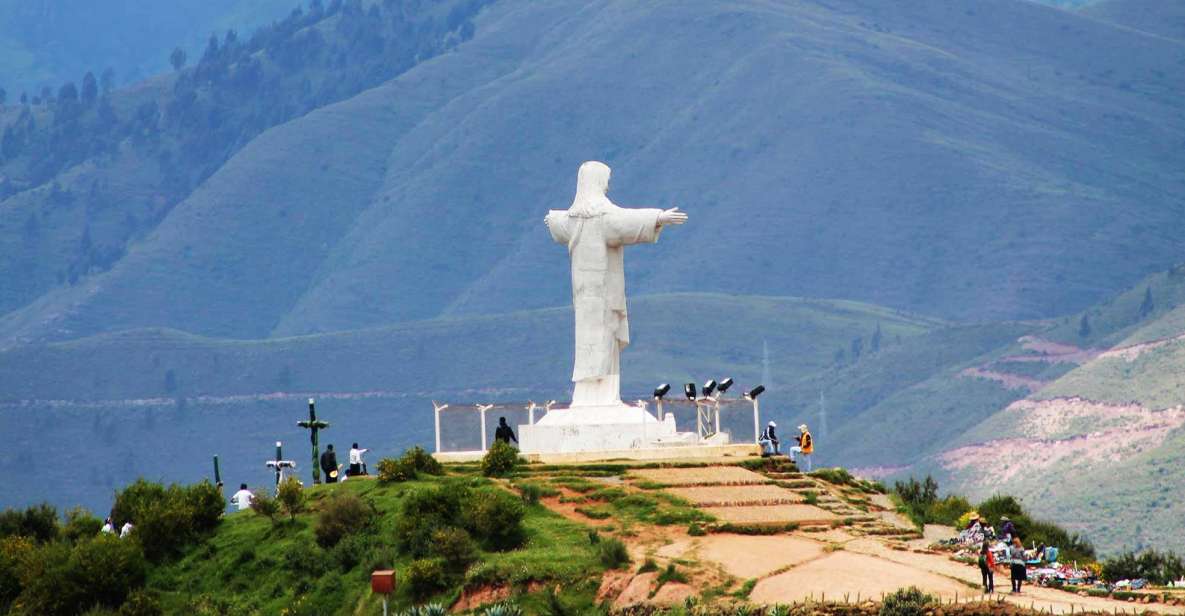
x=58, y=579
x=263, y=504
x=305, y=559
x=906, y=602
x=80, y=524
x=1156, y=567
x=426, y=577
x=291, y=496
x=422, y=461
x=13, y=553
x=341, y=515
x=425, y=511
x=838, y=476
x=613, y=553
x=530, y=493
x=396, y=469
x=141, y=603
x=167, y=519
x=455, y=547
x=495, y=517
x=39, y=523
x=500, y=460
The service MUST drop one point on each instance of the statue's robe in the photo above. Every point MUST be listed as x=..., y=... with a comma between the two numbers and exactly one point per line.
x=596, y=238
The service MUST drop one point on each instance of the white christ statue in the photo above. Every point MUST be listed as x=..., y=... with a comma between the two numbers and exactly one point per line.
x=595, y=231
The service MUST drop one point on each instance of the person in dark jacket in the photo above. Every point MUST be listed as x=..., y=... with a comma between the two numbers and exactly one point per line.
x=1007, y=529
x=329, y=464
x=769, y=440
x=504, y=433
x=987, y=562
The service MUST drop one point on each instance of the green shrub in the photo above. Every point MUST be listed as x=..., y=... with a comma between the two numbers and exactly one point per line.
x=141, y=603
x=342, y=514
x=613, y=553
x=1156, y=567
x=291, y=496
x=502, y=609
x=696, y=529
x=594, y=537
x=421, y=461
x=80, y=524
x=671, y=574
x=593, y=513
x=838, y=476
x=263, y=504
x=392, y=470
x=495, y=518
x=38, y=522
x=500, y=460
x=455, y=548
x=168, y=519
x=101, y=571
x=906, y=602
x=530, y=492
x=423, y=512
x=810, y=497
x=352, y=550
x=647, y=566
x=426, y=577
x=304, y=559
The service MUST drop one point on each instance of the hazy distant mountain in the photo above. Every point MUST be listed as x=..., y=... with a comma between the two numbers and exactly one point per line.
x=49, y=42
x=1160, y=17
x=1008, y=160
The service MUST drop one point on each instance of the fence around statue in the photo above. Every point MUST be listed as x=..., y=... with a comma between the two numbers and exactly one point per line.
x=469, y=428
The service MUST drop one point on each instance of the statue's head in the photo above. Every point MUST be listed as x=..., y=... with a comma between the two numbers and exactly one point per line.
x=593, y=178
x=592, y=182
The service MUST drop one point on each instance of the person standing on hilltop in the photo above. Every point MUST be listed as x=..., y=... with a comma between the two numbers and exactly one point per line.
x=242, y=499
x=329, y=464
x=1016, y=557
x=987, y=563
x=504, y=432
x=357, y=466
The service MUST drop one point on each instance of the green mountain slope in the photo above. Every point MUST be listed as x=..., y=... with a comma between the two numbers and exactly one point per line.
x=910, y=156
x=1100, y=447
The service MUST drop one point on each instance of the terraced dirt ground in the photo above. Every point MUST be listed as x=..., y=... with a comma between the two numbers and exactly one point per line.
x=787, y=537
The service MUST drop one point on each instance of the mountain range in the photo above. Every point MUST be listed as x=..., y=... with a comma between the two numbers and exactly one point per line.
x=349, y=205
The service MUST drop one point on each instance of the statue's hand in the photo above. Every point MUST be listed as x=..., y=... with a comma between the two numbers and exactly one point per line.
x=672, y=217
x=547, y=221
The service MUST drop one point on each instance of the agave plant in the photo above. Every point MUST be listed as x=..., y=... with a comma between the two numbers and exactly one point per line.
x=779, y=610
x=743, y=610
x=502, y=609
x=433, y=609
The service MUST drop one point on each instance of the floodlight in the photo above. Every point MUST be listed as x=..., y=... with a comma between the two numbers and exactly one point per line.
x=689, y=391
x=709, y=387
x=756, y=391
x=724, y=385
x=661, y=391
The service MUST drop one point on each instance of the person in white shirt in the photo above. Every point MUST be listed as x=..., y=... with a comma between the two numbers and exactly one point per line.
x=357, y=466
x=242, y=498
x=108, y=526
x=126, y=530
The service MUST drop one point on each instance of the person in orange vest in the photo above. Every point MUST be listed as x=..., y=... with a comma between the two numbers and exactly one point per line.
x=805, y=446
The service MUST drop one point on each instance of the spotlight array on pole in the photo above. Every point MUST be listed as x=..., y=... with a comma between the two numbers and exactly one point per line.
x=661, y=391
x=709, y=387
x=689, y=391
x=756, y=391
x=724, y=385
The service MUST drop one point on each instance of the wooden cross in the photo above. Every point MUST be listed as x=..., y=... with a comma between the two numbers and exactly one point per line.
x=314, y=425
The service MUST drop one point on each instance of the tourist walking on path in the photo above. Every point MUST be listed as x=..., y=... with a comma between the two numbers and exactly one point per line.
x=987, y=562
x=1016, y=556
x=242, y=498
x=329, y=464
x=357, y=466
x=806, y=446
x=769, y=440
x=504, y=433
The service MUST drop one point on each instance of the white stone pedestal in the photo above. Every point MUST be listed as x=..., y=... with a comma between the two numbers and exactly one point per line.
x=601, y=428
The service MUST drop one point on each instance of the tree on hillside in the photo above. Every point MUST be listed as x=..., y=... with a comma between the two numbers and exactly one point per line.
x=24, y=98
x=1084, y=326
x=46, y=94
x=107, y=81
x=178, y=58
x=211, y=53
x=3, y=97
x=68, y=93
x=874, y=344
x=1146, y=307
x=90, y=88
x=857, y=348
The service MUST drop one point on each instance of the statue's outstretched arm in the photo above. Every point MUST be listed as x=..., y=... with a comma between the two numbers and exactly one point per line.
x=672, y=217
